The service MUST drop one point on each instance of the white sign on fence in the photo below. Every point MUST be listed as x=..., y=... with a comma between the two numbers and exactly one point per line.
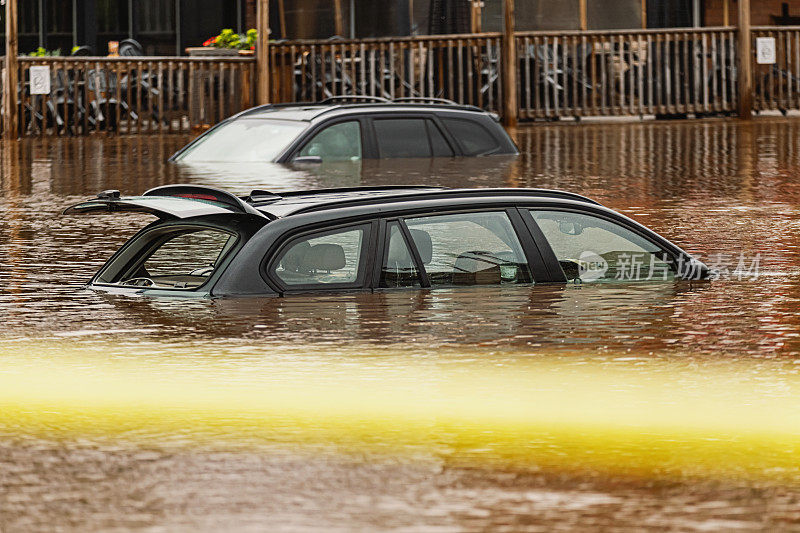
x=765, y=50
x=40, y=80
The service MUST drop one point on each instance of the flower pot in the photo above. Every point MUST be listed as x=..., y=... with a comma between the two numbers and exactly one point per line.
x=247, y=52
x=210, y=51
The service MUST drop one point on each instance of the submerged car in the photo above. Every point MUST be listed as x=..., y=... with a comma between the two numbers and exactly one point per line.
x=210, y=243
x=350, y=129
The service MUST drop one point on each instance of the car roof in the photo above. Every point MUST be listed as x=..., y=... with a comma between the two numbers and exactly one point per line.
x=187, y=201
x=309, y=112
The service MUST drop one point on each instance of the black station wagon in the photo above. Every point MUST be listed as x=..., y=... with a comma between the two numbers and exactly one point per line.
x=335, y=130
x=208, y=242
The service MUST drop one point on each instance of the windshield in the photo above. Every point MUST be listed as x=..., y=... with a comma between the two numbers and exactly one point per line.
x=245, y=140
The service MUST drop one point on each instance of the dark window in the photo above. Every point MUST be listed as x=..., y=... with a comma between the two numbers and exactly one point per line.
x=407, y=137
x=324, y=258
x=469, y=249
x=440, y=146
x=474, y=138
x=669, y=13
x=398, y=269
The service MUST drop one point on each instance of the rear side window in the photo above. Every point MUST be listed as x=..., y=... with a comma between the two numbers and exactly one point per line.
x=339, y=142
x=473, y=137
x=333, y=258
x=409, y=137
x=182, y=259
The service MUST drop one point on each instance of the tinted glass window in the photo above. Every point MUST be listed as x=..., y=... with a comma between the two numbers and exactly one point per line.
x=594, y=249
x=469, y=249
x=474, y=138
x=244, y=140
x=183, y=260
x=402, y=138
x=398, y=269
x=323, y=259
x=340, y=142
x=439, y=145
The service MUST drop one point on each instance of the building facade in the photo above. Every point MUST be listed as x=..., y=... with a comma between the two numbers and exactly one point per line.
x=168, y=27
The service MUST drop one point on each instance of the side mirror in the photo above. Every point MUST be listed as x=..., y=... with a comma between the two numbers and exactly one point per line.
x=307, y=159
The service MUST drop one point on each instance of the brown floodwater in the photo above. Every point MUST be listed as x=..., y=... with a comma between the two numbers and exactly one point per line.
x=654, y=405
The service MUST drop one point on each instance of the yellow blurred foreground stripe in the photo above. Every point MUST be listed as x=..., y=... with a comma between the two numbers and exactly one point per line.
x=648, y=417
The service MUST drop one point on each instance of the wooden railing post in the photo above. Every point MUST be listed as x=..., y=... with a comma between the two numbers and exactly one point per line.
x=10, y=118
x=262, y=52
x=509, y=70
x=745, y=70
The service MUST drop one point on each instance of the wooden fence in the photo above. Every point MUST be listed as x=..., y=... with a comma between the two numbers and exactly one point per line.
x=139, y=95
x=777, y=86
x=661, y=72
x=462, y=68
x=558, y=74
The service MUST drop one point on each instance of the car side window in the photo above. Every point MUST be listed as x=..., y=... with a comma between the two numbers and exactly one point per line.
x=399, y=269
x=323, y=259
x=591, y=248
x=409, y=137
x=469, y=249
x=474, y=138
x=439, y=145
x=339, y=142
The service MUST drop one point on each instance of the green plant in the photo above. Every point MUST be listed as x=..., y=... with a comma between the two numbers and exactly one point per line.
x=228, y=39
x=41, y=52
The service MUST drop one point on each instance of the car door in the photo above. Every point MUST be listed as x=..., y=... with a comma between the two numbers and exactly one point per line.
x=461, y=248
x=413, y=135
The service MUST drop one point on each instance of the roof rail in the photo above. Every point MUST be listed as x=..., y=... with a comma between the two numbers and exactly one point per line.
x=446, y=193
x=422, y=99
x=354, y=97
x=364, y=188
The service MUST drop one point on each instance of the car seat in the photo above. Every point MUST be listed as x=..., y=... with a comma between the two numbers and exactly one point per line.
x=476, y=268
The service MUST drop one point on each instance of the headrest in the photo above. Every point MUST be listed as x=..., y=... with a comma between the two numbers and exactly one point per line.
x=325, y=257
x=422, y=239
x=293, y=258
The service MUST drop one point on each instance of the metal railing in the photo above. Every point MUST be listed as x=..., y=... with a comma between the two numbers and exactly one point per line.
x=661, y=72
x=777, y=86
x=133, y=95
x=462, y=68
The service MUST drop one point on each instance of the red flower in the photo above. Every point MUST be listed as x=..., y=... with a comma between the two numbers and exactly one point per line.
x=252, y=47
x=209, y=42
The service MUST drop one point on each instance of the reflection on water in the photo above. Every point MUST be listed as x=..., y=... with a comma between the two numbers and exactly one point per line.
x=719, y=189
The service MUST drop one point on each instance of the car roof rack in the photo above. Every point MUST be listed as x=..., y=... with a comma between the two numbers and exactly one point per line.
x=260, y=196
x=354, y=98
x=444, y=193
x=424, y=99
